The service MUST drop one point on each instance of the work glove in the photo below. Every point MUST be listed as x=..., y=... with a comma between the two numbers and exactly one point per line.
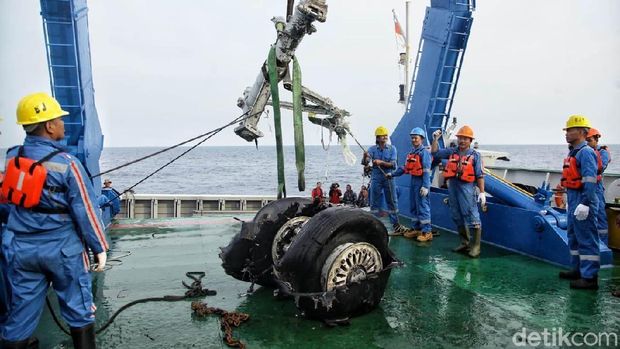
x=423, y=191
x=437, y=134
x=482, y=199
x=101, y=259
x=581, y=212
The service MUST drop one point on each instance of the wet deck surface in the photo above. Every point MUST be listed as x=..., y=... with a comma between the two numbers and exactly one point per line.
x=439, y=299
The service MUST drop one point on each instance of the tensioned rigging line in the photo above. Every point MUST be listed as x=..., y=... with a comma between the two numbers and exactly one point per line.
x=238, y=119
x=210, y=134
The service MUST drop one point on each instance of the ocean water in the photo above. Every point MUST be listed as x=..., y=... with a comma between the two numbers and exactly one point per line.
x=245, y=170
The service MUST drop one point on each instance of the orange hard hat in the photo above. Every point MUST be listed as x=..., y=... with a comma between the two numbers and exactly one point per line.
x=593, y=132
x=466, y=131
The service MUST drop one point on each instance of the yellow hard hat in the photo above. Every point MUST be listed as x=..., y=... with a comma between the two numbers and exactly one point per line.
x=577, y=121
x=38, y=107
x=381, y=131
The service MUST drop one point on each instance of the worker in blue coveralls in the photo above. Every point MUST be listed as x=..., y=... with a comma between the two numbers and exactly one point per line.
x=5, y=209
x=382, y=158
x=603, y=158
x=579, y=177
x=112, y=197
x=418, y=165
x=44, y=243
x=463, y=173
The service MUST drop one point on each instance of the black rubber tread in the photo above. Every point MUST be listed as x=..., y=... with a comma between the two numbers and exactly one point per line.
x=248, y=256
x=301, y=266
x=313, y=236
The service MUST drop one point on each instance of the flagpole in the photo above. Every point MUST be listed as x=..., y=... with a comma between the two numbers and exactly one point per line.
x=407, y=49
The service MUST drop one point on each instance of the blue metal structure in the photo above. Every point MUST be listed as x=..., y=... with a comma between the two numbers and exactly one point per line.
x=515, y=219
x=65, y=25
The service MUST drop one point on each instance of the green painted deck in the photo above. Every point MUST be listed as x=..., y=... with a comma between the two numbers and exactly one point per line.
x=439, y=299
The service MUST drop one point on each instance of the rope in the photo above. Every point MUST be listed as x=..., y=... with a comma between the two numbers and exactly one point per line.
x=239, y=118
x=194, y=290
x=210, y=134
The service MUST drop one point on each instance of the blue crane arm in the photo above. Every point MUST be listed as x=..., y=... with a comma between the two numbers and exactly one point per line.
x=438, y=63
x=65, y=25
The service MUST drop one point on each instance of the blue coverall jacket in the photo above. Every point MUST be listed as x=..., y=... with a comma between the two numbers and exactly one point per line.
x=379, y=184
x=601, y=222
x=113, y=200
x=582, y=235
x=462, y=195
x=43, y=248
x=420, y=205
x=5, y=209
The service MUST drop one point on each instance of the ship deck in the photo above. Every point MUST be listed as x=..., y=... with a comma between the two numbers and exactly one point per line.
x=438, y=299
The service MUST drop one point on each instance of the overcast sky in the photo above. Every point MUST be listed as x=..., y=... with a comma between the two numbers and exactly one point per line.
x=165, y=71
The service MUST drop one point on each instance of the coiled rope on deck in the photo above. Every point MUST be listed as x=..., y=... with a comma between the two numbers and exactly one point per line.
x=193, y=290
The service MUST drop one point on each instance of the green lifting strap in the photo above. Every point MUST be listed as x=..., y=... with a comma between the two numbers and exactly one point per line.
x=275, y=102
x=300, y=152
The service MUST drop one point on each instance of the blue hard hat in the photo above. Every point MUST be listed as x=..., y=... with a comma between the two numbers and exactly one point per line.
x=417, y=131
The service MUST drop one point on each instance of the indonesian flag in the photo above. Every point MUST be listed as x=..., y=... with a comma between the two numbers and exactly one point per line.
x=401, y=38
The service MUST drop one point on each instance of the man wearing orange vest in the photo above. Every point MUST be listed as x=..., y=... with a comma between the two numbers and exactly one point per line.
x=463, y=172
x=418, y=165
x=54, y=214
x=603, y=158
x=579, y=177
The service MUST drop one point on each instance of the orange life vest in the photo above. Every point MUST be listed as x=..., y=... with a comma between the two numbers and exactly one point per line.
x=599, y=165
x=461, y=167
x=3, y=200
x=559, y=196
x=413, y=165
x=24, y=179
x=571, y=175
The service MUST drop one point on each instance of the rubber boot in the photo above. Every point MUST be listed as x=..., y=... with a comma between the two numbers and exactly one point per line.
x=474, y=243
x=15, y=345
x=464, y=246
x=570, y=275
x=84, y=337
x=585, y=284
x=33, y=343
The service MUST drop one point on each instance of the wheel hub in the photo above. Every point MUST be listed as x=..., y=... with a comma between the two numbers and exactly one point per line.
x=350, y=263
x=285, y=237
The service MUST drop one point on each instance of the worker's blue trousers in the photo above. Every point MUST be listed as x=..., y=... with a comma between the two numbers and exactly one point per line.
x=33, y=262
x=583, y=237
x=462, y=201
x=420, y=206
x=4, y=289
x=601, y=214
x=378, y=185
